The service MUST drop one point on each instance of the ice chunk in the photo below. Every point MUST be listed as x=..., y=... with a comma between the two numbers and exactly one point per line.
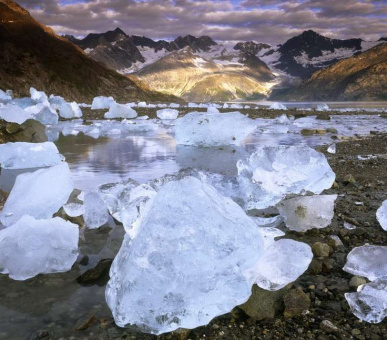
x=141, y=104
x=192, y=105
x=308, y=212
x=120, y=111
x=269, y=234
x=100, y=103
x=332, y=148
x=369, y=303
x=277, y=106
x=367, y=261
x=206, y=129
x=381, y=215
x=96, y=213
x=38, y=96
x=39, y=194
x=322, y=107
x=186, y=264
x=14, y=114
x=283, y=262
x=167, y=113
x=44, y=114
x=56, y=101
x=5, y=96
x=31, y=247
x=212, y=109
x=174, y=105
x=29, y=155
x=283, y=119
x=70, y=110
x=74, y=206
x=225, y=106
x=272, y=172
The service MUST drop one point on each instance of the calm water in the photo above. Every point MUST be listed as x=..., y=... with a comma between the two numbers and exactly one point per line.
x=55, y=302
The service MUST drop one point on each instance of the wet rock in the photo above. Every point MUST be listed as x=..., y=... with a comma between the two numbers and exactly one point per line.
x=331, y=130
x=323, y=116
x=12, y=128
x=328, y=327
x=97, y=275
x=85, y=322
x=321, y=249
x=356, y=281
x=308, y=132
x=296, y=302
x=349, y=179
x=315, y=267
x=264, y=304
x=30, y=131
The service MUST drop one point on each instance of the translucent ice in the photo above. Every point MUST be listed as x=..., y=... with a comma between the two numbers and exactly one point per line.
x=369, y=303
x=38, y=96
x=96, y=213
x=272, y=172
x=29, y=155
x=167, y=113
x=283, y=119
x=212, y=109
x=367, y=261
x=39, y=194
x=120, y=111
x=70, y=110
x=381, y=215
x=206, y=129
x=44, y=114
x=332, y=148
x=186, y=264
x=308, y=212
x=14, y=114
x=283, y=262
x=322, y=107
x=31, y=247
x=277, y=106
x=100, y=103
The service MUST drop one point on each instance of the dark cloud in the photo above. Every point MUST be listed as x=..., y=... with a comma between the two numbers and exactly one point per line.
x=227, y=20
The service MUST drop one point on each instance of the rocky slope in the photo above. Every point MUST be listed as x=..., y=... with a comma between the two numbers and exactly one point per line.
x=32, y=55
x=218, y=78
x=361, y=77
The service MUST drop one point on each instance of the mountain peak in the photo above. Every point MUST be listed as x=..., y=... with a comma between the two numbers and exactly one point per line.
x=119, y=31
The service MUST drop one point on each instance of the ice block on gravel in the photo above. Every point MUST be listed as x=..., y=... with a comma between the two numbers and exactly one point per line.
x=308, y=212
x=22, y=155
x=282, y=263
x=14, y=114
x=369, y=303
x=272, y=172
x=39, y=194
x=70, y=110
x=185, y=266
x=381, y=215
x=167, y=113
x=368, y=261
x=217, y=129
x=120, y=111
x=38, y=96
x=96, y=214
x=31, y=247
x=100, y=103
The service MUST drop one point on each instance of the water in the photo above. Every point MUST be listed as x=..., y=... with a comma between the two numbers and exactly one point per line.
x=55, y=302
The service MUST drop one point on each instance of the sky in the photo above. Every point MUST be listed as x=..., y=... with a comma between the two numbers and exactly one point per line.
x=267, y=21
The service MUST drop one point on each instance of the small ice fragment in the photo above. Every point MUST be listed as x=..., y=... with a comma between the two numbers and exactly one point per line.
x=14, y=114
x=96, y=213
x=31, y=247
x=349, y=226
x=370, y=301
x=167, y=113
x=218, y=129
x=308, y=212
x=277, y=106
x=368, y=261
x=141, y=104
x=22, y=155
x=283, y=119
x=120, y=111
x=381, y=215
x=100, y=103
x=332, y=149
x=39, y=194
x=282, y=263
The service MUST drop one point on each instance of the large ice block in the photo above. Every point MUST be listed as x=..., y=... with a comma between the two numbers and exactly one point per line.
x=96, y=213
x=167, y=113
x=14, y=114
x=120, y=111
x=70, y=110
x=100, y=103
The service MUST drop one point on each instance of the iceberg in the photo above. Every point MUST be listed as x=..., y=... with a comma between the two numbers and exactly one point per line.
x=277, y=106
x=29, y=155
x=217, y=129
x=70, y=110
x=31, y=247
x=368, y=261
x=100, y=103
x=308, y=212
x=273, y=172
x=120, y=111
x=381, y=215
x=185, y=265
x=39, y=194
x=369, y=303
x=167, y=113
x=282, y=263
x=14, y=114
x=96, y=214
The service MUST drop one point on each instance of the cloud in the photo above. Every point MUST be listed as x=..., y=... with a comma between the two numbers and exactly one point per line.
x=225, y=20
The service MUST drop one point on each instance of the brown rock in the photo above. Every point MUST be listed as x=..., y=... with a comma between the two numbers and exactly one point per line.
x=85, y=322
x=321, y=249
x=296, y=302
